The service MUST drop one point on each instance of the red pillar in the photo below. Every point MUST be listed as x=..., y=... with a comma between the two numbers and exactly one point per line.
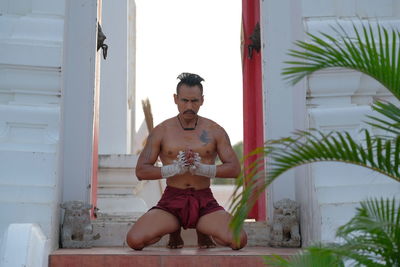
x=253, y=122
x=95, y=161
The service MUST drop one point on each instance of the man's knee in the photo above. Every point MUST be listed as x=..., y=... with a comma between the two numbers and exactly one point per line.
x=236, y=244
x=242, y=241
x=136, y=242
x=227, y=239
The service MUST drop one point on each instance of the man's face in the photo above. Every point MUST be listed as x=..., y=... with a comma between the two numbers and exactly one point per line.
x=189, y=99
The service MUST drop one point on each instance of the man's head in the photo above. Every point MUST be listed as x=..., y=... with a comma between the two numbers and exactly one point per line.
x=189, y=79
x=189, y=94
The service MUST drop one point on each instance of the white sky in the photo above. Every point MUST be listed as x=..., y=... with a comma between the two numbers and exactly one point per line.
x=198, y=36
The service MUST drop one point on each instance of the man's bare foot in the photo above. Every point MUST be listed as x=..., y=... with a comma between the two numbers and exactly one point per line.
x=204, y=241
x=175, y=240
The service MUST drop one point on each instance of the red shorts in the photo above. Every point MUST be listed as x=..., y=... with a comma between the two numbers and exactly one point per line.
x=188, y=205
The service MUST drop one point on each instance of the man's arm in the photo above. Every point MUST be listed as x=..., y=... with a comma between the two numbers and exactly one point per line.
x=145, y=169
x=230, y=167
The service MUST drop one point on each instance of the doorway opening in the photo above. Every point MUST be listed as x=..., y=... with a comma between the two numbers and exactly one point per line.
x=201, y=37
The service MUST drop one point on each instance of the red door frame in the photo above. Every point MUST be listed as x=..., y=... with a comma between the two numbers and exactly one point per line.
x=253, y=122
x=96, y=116
x=95, y=154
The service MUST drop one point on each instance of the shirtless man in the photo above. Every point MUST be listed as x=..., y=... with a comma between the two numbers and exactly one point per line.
x=187, y=146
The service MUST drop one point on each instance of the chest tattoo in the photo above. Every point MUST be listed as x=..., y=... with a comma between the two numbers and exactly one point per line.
x=205, y=138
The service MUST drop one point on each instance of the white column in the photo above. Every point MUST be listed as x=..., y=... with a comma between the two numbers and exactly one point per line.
x=284, y=105
x=79, y=59
x=117, y=77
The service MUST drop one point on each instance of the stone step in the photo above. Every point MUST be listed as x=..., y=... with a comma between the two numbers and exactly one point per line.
x=119, y=190
x=162, y=257
x=113, y=230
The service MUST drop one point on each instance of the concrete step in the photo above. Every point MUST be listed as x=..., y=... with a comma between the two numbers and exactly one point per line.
x=113, y=230
x=119, y=190
x=162, y=257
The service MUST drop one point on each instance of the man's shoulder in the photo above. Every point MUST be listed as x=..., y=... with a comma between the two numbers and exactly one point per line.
x=166, y=123
x=162, y=127
x=212, y=125
x=209, y=122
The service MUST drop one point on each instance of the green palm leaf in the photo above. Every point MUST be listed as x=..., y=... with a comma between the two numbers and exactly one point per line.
x=370, y=238
x=376, y=55
x=374, y=232
x=316, y=256
x=392, y=114
x=377, y=153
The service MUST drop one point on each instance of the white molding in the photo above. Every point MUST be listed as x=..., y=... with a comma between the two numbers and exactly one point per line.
x=39, y=168
x=30, y=85
x=29, y=128
x=30, y=54
x=48, y=7
x=33, y=28
x=348, y=8
x=55, y=8
x=317, y=25
x=27, y=194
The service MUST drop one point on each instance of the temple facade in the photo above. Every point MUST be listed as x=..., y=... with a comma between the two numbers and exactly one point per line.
x=55, y=88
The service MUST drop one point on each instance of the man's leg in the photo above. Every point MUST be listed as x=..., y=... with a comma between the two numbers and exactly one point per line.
x=216, y=224
x=150, y=228
x=204, y=241
x=175, y=240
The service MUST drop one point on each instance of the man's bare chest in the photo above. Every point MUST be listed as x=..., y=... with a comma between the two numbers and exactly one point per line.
x=200, y=141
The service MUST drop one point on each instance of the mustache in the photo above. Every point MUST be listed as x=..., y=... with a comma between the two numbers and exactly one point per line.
x=189, y=111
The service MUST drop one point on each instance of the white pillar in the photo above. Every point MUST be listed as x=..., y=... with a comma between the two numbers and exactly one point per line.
x=284, y=105
x=79, y=58
x=117, y=96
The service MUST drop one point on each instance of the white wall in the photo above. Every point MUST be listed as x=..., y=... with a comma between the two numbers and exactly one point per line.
x=31, y=35
x=339, y=100
x=336, y=100
x=117, y=93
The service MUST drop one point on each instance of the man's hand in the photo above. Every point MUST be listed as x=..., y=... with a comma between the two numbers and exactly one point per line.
x=179, y=166
x=201, y=169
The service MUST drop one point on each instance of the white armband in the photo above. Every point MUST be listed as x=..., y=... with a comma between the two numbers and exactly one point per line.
x=177, y=167
x=205, y=170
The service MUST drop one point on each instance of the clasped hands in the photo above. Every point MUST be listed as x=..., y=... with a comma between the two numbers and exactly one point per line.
x=188, y=161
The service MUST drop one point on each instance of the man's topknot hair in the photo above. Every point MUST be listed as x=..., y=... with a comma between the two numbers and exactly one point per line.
x=190, y=79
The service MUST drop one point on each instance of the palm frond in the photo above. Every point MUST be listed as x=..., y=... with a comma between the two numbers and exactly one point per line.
x=378, y=154
x=314, y=256
x=370, y=238
x=374, y=232
x=375, y=54
x=392, y=114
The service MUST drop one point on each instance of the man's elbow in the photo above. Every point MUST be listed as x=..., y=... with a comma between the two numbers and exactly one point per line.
x=236, y=172
x=139, y=173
